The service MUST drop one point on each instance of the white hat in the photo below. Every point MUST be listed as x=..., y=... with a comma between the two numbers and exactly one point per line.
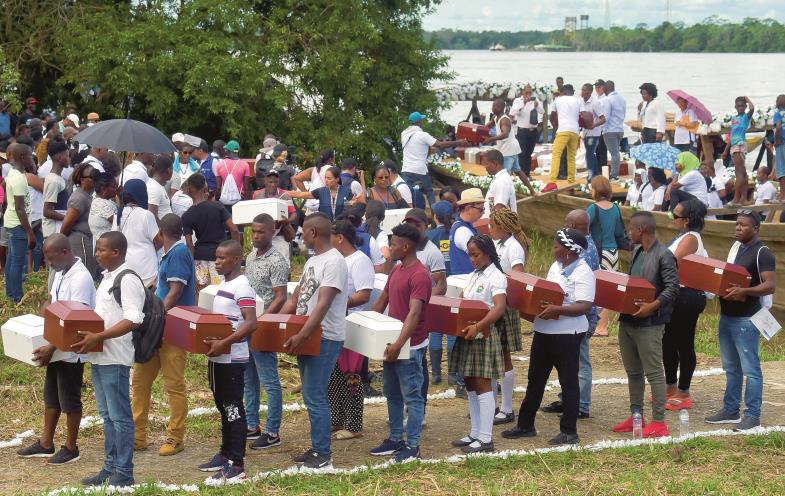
x=192, y=140
x=178, y=138
x=73, y=118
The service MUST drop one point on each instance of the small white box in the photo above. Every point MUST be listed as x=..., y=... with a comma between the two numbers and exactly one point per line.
x=456, y=284
x=369, y=333
x=470, y=155
x=379, y=281
x=207, y=295
x=22, y=335
x=243, y=212
x=393, y=218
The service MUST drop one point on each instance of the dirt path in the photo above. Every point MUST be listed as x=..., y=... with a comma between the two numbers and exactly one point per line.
x=446, y=420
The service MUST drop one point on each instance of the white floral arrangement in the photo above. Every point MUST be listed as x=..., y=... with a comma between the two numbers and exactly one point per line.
x=472, y=89
x=762, y=117
x=444, y=161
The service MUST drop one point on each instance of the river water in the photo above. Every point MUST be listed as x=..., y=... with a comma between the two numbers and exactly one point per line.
x=714, y=78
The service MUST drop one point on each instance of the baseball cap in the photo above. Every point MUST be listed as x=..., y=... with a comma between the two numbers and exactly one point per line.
x=233, y=145
x=442, y=210
x=416, y=117
x=92, y=116
x=599, y=82
x=73, y=118
x=279, y=149
x=416, y=214
x=178, y=138
x=31, y=99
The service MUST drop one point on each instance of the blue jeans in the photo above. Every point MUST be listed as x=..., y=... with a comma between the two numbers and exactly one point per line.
x=592, y=164
x=435, y=343
x=584, y=375
x=403, y=384
x=315, y=374
x=16, y=263
x=265, y=373
x=739, y=341
x=114, y=405
x=512, y=164
x=424, y=180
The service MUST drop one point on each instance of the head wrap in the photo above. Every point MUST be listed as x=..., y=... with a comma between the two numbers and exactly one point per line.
x=689, y=161
x=572, y=240
x=134, y=191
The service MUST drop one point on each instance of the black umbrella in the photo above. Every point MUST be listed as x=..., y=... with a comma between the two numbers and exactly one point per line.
x=126, y=135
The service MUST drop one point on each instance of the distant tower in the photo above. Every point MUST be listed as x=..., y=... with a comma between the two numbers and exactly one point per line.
x=607, y=14
x=584, y=21
x=668, y=11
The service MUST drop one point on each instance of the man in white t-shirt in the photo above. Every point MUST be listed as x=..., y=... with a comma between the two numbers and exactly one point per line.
x=602, y=150
x=593, y=136
x=502, y=190
x=415, y=144
x=96, y=158
x=139, y=168
x=567, y=108
x=64, y=370
x=322, y=295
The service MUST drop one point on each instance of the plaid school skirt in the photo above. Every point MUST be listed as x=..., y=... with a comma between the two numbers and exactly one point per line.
x=478, y=357
x=509, y=327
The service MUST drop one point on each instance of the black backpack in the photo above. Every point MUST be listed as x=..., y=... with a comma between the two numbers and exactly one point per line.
x=148, y=335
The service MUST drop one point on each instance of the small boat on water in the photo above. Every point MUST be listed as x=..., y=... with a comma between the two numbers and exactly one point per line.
x=498, y=47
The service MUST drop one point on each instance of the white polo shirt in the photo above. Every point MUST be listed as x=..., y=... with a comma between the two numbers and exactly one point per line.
x=511, y=253
x=485, y=284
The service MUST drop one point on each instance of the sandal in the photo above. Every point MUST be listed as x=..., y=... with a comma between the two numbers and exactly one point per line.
x=676, y=404
x=343, y=435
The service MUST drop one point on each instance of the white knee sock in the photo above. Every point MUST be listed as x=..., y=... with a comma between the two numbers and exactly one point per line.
x=486, y=408
x=507, y=386
x=474, y=414
x=494, y=387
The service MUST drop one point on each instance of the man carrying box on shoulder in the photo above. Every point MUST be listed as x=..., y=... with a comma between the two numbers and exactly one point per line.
x=322, y=295
x=63, y=383
x=739, y=341
x=408, y=290
x=176, y=287
x=640, y=334
x=111, y=367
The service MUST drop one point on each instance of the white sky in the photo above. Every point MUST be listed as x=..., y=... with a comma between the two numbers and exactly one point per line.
x=525, y=15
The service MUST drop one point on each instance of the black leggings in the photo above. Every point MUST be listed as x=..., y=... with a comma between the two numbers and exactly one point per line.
x=678, y=343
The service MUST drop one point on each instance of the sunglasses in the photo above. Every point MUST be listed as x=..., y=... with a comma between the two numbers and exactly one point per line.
x=673, y=215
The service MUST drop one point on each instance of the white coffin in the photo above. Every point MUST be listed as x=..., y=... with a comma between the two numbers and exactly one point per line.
x=207, y=295
x=455, y=285
x=369, y=333
x=243, y=212
x=471, y=155
x=22, y=335
x=379, y=281
x=393, y=218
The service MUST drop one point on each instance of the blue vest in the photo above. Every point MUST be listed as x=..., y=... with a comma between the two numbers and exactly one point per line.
x=206, y=169
x=365, y=239
x=325, y=207
x=459, y=259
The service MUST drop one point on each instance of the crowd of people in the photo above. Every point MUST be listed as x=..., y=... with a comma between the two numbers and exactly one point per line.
x=159, y=230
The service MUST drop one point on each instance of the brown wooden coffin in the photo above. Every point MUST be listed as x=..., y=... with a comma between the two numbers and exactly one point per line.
x=188, y=327
x=273, y=330
x=453, y=315
x=530, y=294
x=709, y=274
x=62, y=320
x=483, y=226
x=473, y=133
x=619, y=292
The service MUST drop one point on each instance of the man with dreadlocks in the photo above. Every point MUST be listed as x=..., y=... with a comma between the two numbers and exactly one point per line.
x=558, y=333
x=506, y=231
x=477, y=356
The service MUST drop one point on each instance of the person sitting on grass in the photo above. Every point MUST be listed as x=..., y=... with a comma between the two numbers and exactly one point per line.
x=227, y=359
x=407, y=292
x=63, y=383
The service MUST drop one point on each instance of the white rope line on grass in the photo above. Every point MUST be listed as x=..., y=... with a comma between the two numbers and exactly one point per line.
x=296, y=471
x=94, y=420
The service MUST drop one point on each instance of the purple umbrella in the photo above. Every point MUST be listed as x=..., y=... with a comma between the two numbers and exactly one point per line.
x=703, y=114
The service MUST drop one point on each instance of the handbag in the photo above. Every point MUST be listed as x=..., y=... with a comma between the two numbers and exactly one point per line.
x=533, y=117
x=622, y=242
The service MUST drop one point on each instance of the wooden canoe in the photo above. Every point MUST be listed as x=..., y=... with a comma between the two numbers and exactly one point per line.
x=546, y=214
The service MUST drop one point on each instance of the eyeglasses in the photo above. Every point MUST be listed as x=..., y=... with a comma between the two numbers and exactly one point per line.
x=185, y=152
x=478, y=207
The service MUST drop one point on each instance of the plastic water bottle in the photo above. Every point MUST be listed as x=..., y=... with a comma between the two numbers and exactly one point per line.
x=637, y=425
x=684, y=422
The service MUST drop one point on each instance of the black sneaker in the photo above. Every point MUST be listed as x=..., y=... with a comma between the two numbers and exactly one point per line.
x=215, y=464
x=436, y=379
x=316, y=461
x=301, y=459
x=64, y=456
x=518, y=432
x=555, y=407
x=253, y=434
x=266, y=441
x=118, y=480
x=98, y=479
x=35, y=450
x=562, y=438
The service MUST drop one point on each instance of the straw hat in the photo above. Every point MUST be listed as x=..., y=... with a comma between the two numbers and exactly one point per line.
x=471, y=195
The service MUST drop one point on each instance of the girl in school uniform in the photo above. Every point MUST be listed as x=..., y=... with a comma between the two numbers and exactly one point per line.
x=510, y=240
x=478, y=355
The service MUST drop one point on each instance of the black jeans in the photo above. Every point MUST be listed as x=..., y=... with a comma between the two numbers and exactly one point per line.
x=549, y=351
x=602, y=154
x=227, y=382
x=527, y=138
x=678, y=342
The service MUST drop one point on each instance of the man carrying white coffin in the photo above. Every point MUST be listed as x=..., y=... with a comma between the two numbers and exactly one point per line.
x=63, y=383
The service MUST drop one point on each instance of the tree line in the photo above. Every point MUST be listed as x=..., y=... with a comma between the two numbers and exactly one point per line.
x=343, y=75
x=711, y=35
